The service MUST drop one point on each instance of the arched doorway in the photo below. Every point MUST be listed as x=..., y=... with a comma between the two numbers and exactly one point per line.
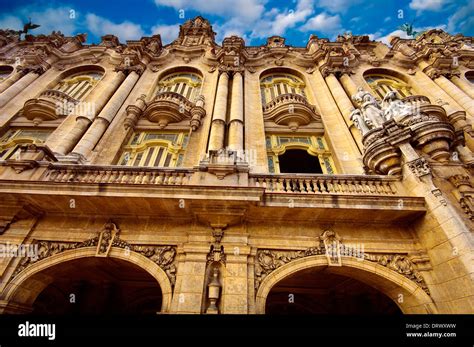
x=98, y=285
x=403, y=292
x=42, y=281
x=299, y=161
x=319, y=291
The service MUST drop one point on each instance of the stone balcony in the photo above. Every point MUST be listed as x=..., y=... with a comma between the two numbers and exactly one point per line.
x=292, y=110
x=119, y=190
x=168, y=107
x=49, y=105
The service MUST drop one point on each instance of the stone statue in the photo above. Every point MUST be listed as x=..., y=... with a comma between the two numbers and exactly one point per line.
x=370, y=109
x=394, y=108
x=358, y=119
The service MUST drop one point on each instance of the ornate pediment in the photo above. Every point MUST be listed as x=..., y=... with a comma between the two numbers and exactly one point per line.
x=195, y=32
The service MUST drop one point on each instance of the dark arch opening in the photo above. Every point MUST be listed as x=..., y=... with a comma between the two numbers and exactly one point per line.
x=299, y=161
x=470, y=76
x=98, y=285
x=318, y=291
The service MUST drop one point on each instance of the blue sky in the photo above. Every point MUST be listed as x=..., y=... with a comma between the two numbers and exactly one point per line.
x=254, y=20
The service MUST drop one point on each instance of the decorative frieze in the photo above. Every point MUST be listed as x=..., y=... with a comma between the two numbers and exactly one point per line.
x=106, y=239
x=329, y=244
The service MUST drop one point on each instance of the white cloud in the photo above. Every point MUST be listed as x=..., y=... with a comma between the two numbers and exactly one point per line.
x=168, y=33
x=387, y=19
x=355, y=19
x=462, y=20
x=101, y=26
x=323, y=22
x=11, y=22
x=428, y=5
x=50, y=19
x=246, y=10
x=402, y=34
x=337, y=6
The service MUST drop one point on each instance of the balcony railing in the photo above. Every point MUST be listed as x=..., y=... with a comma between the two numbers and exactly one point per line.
x=325, y=184
x=117, y=175
x=288, y=98
x=57, y=96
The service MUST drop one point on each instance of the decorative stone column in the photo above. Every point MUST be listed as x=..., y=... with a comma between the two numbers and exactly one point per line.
x=20, y=85
x=465, y=86
x=105, y=117
x=346, y=151
x=11, y=80
x=216, y=137
x=98, y=97
x=456, y=93
x=236, y=125
x=345, y=106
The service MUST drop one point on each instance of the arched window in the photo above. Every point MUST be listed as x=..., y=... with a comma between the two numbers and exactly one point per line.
x=298, y=154
x=5, y=71
x=156, y=149
x=13, y=137
x=277, y=84
x=187, y=84
x=382, y=84
x=79, y=84
x=470, y=76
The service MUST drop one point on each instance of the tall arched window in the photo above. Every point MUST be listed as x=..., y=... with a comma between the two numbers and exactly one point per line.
x=79, y=84
x=158, y=149
x=187, y=84
x=13, y=137
x=277, y=84
x=5, y=71
x=382, y=84
x=298, y=154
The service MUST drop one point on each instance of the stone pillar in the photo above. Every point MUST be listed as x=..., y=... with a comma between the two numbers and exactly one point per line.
x=344, y=149
x=457, y=94
x=64, y=138
x=216, y=136
x=102, y=121
x=15, y=76
x=236, y=125
x=465, y=86
x=345, y=106
x=235, y=281
x=17, y=87
x=189, y=292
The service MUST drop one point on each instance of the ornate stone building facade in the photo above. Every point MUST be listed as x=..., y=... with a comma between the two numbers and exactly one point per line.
x=204, y=178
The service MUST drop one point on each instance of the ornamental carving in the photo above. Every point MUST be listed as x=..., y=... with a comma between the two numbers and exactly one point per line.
x=464, y=194
x=393, y=121
x=329, y=244
x=419, y=167
x=107, y=238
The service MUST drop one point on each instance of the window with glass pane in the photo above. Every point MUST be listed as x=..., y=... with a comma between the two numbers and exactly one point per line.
x=382, y=84
x=185, y=84
x=80, y=84
x=271, y=86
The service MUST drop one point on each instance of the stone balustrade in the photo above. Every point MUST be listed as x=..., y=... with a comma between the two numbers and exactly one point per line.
x=117, y=175
x=57, y=96
x=326, y=184
x=283, y=99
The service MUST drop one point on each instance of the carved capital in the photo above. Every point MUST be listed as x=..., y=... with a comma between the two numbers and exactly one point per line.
x=419, y=167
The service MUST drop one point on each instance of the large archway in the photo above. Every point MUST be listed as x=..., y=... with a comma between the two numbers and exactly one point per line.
x=382, y=282
x=123, y=283
x=98, y=285
x=319, y=291
x=299, y=161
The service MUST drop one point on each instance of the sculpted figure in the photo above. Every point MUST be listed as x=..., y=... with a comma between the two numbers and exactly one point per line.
x=393, y=107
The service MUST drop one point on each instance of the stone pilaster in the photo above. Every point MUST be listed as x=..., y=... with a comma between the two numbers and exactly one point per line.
x=236, y=124
x=66, y=136
x=15, y=76
x=216, y=137
x=18, y=87
x=457, y=94
x=100, y=124
x=465, y=86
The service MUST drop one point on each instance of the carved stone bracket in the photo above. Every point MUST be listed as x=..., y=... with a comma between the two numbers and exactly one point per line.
x=216, y=252
x=107, y=238
x=268, y=260
x=419, y=167
x=464, y=193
